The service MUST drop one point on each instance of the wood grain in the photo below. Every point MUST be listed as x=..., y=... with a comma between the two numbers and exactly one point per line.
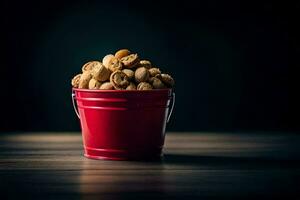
x=195, y=166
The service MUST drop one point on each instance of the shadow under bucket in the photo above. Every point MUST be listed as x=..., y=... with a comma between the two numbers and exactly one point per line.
x=123, y=124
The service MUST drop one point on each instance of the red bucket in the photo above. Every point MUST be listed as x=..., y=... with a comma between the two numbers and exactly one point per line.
x=123, y=124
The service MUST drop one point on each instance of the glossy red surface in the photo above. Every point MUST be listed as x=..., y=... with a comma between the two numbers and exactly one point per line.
x=122, y=124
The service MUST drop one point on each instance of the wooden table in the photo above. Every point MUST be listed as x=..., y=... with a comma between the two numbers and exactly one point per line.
x=195, y=166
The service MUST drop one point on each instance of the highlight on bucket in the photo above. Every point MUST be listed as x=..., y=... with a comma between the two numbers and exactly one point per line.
x=123, y=105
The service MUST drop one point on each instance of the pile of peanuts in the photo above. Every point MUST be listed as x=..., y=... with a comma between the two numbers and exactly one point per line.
x=122, y=71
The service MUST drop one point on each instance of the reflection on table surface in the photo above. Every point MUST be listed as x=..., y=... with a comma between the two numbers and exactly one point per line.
x=195, y=165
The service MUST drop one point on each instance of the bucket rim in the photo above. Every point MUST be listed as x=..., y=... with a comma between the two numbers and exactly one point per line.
x=122, y=91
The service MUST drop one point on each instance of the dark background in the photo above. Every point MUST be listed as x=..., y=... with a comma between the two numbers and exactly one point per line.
x=229, y=59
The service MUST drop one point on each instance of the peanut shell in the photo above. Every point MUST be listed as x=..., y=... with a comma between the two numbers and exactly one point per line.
x=122, y=53
x=89, y=65
x=131, y=86
x=100, y=72
x=154, y=71
x=75, y=81
x=145, y=63
x=129, y=73
x=141, y=74
x=130, y=61
x=167, y=79
x=114, y=64
x=94, y=84
x=119, y=80
x=144, y=86
x=157, y=83
x=107, y=86
x=84, y=80
x=106, y=59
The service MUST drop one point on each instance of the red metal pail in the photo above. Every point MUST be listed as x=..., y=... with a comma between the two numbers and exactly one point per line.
x=123, y=124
